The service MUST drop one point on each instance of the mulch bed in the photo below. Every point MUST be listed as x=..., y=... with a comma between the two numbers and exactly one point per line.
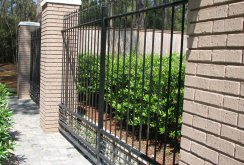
x=110, y=124
x=8, y=75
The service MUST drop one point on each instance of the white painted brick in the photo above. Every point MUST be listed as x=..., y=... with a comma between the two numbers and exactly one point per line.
x=227, y=56
x=192, y=16
x=189, y=93
x=211, y=70
x=241, y=121
x=208, y=97
x=241, y=105
x=187, y=118
x=204, y=152
x=225, y=160
x=192, y=42
x=232, y=133
x=235, y=40
x=193, y=134
x=190, y=159
x=231, y=103
x=199, y=55
x=221, y=144
x=200, y=28
x=234, y=24
x=236, y=9
x=182, y=163
x=213, y=12
x=190, y=68
x=204, y=41
x=193, y=4
x=222, y=1
x=195, y=108
x=223, y=86
x=206, y=124
x=213, y=127
x=218, y=26
x=242, y=88
x=218, y=40
x=207, y=163
x=239, y=152
x=224, y=116
x=197, y=82
x=185, y=143
x=235, y=72
x=199, y=122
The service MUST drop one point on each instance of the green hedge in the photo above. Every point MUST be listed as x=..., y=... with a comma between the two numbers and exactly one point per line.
x=132, y=87
x=6, y=142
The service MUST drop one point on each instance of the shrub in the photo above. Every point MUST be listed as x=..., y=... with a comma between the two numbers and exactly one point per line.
x=6, y=142
x=136, y=86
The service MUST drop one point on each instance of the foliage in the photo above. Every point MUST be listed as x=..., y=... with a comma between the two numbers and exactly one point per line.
x=158, y=18
x=6, y=142
x=12, y=12
x=8, y=39
x=136, y=86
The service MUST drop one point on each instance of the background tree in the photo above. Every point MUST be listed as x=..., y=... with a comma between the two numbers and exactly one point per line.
x=12, y=12
x=162, y=17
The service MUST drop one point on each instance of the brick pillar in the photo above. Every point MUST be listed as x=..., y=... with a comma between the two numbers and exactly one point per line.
x=51, y=59
x=24, y=58
x=213, y=119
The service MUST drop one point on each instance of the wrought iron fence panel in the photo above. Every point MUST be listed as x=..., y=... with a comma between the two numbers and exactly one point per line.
x=35, y=65
x=122, y=93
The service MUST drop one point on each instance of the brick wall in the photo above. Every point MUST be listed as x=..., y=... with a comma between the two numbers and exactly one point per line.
x=51, y=63
x=24, y=57
x=213, y=119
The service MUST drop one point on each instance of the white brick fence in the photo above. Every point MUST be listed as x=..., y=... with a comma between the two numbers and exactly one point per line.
x=213, y=129
x=213, y=118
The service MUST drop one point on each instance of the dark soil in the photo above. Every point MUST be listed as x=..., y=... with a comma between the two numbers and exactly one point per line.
x=148, y=145
x=8, y=75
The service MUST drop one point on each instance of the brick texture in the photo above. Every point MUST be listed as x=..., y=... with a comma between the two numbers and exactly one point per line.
x=24, y=59
x=213, y=119
x=51, y=66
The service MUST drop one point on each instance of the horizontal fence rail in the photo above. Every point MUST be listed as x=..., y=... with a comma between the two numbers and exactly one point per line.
x=123, y=78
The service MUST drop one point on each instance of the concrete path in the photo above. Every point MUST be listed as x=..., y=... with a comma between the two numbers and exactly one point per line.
x=33, y=146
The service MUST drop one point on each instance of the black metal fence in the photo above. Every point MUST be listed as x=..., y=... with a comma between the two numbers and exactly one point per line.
x=121, y=104
x=35, y=65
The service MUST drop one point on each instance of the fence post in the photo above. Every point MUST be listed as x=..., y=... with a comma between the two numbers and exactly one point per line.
x=213, y=127
x=53, y=12
x=24, y=58
x=102, y=78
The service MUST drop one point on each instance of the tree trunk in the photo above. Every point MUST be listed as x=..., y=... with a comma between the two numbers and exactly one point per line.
x=3, y=8
x=140, y=17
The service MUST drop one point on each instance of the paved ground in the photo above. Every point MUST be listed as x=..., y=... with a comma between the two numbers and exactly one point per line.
x=33, y=146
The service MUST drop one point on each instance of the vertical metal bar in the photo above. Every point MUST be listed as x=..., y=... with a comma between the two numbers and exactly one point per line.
x=123, y=77
x=179, y=81
x=102, y=79
x=94, y=71
x=117, y=87
x=151, y=79
x=112, y=71
x=82, y=70
x=135, y=83
x=159, y=81
x=143, y=83
x=76, y=61
x=97, y=54
x=107, y=77
x=169, y=82
x=129, y=87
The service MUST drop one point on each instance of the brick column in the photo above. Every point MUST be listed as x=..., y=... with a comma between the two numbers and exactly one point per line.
x=24, y=58
x=51, y=59
x=213, y=119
